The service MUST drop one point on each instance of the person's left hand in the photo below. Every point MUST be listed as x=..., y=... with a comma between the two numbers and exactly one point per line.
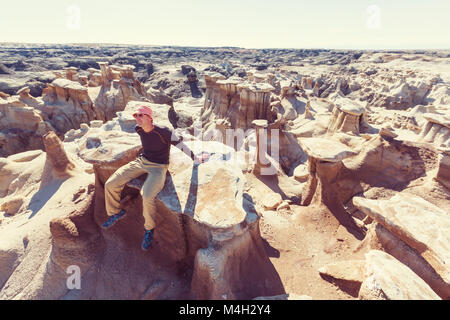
x=201, y=157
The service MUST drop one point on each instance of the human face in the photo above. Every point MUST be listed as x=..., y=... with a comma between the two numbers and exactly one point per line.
x=143, y=119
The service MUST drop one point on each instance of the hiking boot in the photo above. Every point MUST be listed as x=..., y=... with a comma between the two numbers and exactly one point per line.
x=113, y=219
x=148, y=237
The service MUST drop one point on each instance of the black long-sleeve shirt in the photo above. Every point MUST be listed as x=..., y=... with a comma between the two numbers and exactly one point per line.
x=156, y=144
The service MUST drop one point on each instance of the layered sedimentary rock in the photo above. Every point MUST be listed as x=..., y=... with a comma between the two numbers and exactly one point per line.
x=254, y=104
x=236, y=102
x=389, y=279
x=324, y=166
x=347, y=116
x=211, y=247
x=190, y=230
x=398, y=94
x=327, y=154
x=118, y=87
x=307, y=83
x=421, y=225
x=378, y=237
x=290, y=106
x=52, y=189
x=67, y=105
x=21, y=125
x=443, y=173
x=436, y=130
x=95, y=77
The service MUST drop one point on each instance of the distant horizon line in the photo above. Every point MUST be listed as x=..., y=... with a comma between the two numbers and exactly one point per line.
x=222, y=46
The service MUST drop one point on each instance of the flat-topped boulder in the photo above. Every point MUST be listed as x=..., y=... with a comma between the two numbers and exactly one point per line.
x=68, y=84
x=436, y=130
x=419, y=223
x=204, y=217
x=231, y=81
x=347, y=116
x=256, y=87
x=107, y=143
x=211, y=78
x=218, y=175
x=325, y=149
x=350, y=106
x=389, y=279
x=324, y=164
x=25, y=91
x=438, y=118
x=260, y=123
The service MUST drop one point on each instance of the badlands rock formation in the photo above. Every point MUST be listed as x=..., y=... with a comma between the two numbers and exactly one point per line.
x=327, y=169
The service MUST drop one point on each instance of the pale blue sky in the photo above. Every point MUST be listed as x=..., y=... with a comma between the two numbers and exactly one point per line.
x=358, y=24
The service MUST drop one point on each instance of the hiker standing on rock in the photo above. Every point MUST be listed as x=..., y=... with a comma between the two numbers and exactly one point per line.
x=154, y=160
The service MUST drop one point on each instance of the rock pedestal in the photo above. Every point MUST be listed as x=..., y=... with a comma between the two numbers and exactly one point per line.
x=324, y=163
x=347, y=116
x=436, y=130
x=261, y=146
x=235, y=101
x=204, y=219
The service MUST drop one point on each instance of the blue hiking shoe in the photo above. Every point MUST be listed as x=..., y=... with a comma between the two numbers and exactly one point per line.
x=113, y=219
x=148, y=237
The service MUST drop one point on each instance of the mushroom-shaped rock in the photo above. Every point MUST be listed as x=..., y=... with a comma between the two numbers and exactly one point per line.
x=71, y=74
x=262, y=165
x=347, y=116
x=327, y=150
x=419, y=223
x=204, y=219
x=324, y=163
x=436, y=130
x=24, y=92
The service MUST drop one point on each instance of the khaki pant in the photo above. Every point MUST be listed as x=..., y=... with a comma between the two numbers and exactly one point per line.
x=152, y=186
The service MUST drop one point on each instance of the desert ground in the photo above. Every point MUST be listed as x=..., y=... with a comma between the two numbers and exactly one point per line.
x=334, y=183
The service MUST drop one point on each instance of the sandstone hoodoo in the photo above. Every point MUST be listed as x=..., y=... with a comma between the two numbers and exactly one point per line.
x=324, y=163
x=291, y=173
x=437, y=130
x=347, y=116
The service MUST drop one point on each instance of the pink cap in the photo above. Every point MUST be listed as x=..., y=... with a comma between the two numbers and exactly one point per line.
x=144, y=110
